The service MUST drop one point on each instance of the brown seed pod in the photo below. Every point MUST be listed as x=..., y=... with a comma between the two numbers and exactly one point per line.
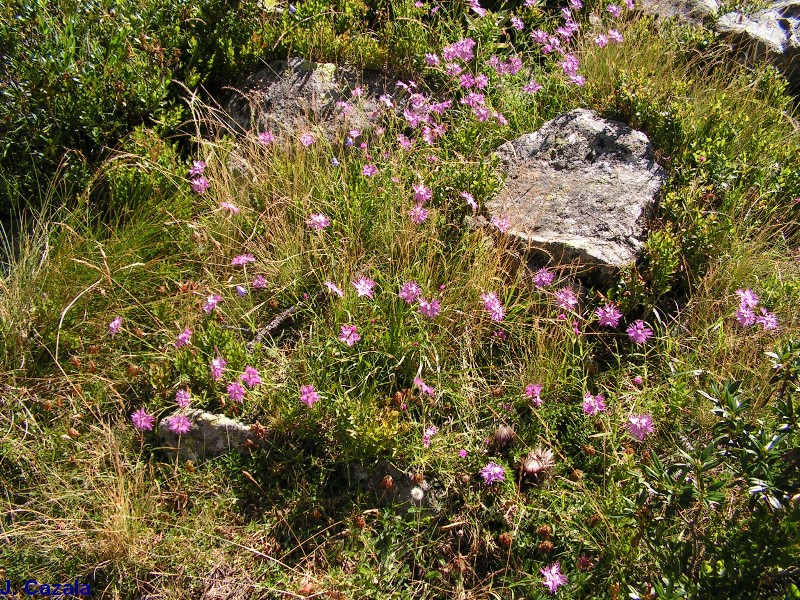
x=418, y=478
x=503, y=437
x=498, y=392
x=538, y=464
x=544, y=531
x=546, y=546
x=505, y=539
x=387, y=483
x=359, y=521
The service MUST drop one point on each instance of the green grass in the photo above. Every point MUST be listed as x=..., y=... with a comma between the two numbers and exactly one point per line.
x=300, y=514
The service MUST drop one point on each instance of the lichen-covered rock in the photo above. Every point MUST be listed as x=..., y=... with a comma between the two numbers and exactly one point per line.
x=210, y=435
x=772, y=34
x=288, y=94
x=579, y=189
x=693, y=11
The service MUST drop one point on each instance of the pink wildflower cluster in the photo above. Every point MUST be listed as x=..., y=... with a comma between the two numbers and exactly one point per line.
x=428, y=434
x=639, y=332
x=533, y=391
x=745, y=314
x=308, y=395
x=424, y=388
x=593, y=404
x=609, y=315
x=318, y=221
x=510, y=66
x=492, y=473
x=199, y=183
x=553, y=577
x=543, y=277
x=640, y=426
x=493, y=306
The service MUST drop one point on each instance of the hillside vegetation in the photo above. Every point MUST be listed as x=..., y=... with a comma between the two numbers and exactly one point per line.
x=633, y=440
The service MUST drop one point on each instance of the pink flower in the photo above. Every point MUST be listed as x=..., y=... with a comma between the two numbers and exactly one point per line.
x=543, y=277
x=424, y=388
x=492, y=473
x=210, y=303
x=231, y=208
x=467, y=80
x=748, y=298
x=531, y=87
x=428, y=434
x=183, y=338
x=410, y=291
x=639, y=332
x=429, y=309
x=183, y=398
x=493, y=306
x=250, y=377
x=431, y=60
x=533, y=391
x=566, y=299
x=259, y=283
x=349, y=335
x=179, y=424
x=609, y=315
x=501, y=223
x=235, y=391
x=577, y=4
x=470, y=200
x=638, y=380
x=553, y=577
x=197, y=168
x=593, y=404
x=640, y=426
x=745, y=316
x=421, y=193
x=418, y=214
x=615, y=36
x=334, y=289
x=462, y=453
x=142, y=420
x=200, y=184
x=475, y=5
x=364, y=287
x=601, y=40
x=615, y=10
x=306, y=139
x=217, y=367
x=114, y=326
x=318, y=221
x=242, y=259
x=308, y=395
x=265, y=138
x=629, y=4
x=577, y=79
x=462, y=49
x=767, y=320
x=369, y=170
x=517, y=23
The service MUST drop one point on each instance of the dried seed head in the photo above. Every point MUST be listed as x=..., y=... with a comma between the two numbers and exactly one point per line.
x=544, y=531
x=387, y=483
x=503, y=437
x=585, y=563
x=546, y=546
x=359, y=521
x=538, y=463
x=505, y=539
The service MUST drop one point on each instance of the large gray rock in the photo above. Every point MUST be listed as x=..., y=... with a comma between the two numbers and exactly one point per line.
x=210, y=435
x=693, y=11
x=772, y=34
x=288, y=94
x=580, y=189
